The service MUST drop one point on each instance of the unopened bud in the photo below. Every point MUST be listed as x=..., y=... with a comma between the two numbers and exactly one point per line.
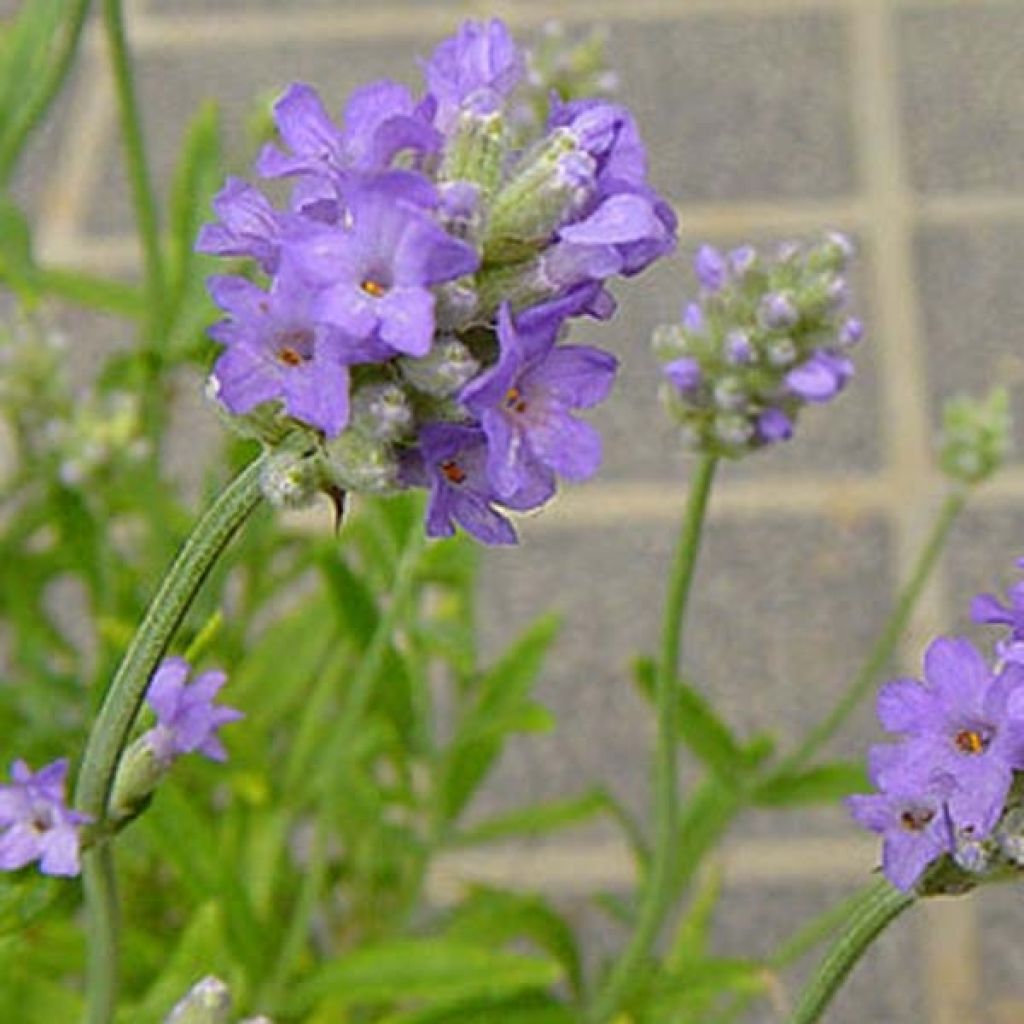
x=443, y=370
x=290, y=479
x=358, y=463
x=976, y=436
x=381, y=412
x=207, y=1002
x=142, y=768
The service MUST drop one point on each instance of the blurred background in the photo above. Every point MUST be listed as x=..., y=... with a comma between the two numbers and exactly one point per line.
x=901, y=123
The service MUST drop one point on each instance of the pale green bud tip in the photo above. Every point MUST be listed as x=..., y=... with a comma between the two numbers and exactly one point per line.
x=359, y=463
x=141, y=770
x=207, y=1002
x=976, y=436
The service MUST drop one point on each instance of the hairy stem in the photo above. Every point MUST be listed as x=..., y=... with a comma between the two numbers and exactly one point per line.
x=659, y=881
x=110, y=731
x=879, y=906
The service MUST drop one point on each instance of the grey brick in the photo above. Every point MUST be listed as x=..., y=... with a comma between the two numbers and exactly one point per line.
x=972, y=306
x=742, y=106
x=782, y=613
x=962, y=77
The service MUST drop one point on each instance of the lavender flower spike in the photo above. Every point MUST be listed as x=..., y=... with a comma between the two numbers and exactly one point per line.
x=36, y=823
x=524, y=404
x=187, y=719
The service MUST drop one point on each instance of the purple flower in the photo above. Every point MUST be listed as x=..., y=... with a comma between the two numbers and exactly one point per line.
x=381, y=119
x=987, y=608
x=480, y=65
x=711, y=268
x=777, y=311
x=187, y=719
x=36, y=823
x=684, y=374
x=374, y=272
x=910, y=813
x=738, y=348
x=850, y=333
x=249, y=226
x=821, y=377
x=523, y=403
x=452, y=463
x=773, y=425
x=277, y=351
x=964, y=722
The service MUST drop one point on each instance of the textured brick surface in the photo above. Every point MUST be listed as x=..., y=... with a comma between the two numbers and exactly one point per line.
x=972, y=308
x=967, y=61
x=779, y=79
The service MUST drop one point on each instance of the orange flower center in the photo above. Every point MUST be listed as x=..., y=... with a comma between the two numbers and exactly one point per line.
x=374, y=288
x=453, y=472
x=514, y=400
x=970, y=741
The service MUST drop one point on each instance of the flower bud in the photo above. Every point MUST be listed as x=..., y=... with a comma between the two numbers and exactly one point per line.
x=443, y=370
x=207, y=1002
x=477, y=150
x=551, y=182
x=976, y=436
x=290, y=479
x=141, y=770
x=381, y=412
x=358, y=463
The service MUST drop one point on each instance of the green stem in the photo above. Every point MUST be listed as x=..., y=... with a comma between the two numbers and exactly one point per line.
x=879, y=906
x=659, y=881
x=121, y=705
x=143, y=194
x=884, y=648
x=46, y=90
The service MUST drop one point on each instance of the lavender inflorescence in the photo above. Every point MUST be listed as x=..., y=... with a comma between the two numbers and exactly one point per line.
x=952, y=791
x=405, y=325
x=767, y=335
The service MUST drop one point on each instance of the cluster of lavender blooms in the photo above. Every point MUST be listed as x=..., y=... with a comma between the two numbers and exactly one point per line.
x=767, y=335
x=952, y=786
x=405, y=326
x=35, y=821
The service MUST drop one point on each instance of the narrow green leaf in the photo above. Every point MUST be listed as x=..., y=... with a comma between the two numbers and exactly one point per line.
x=691, y=940
x=537, y=819
x=532, y=1008
x=433, y=970
x=495, y=918
x=824, y=783
x=700, y=727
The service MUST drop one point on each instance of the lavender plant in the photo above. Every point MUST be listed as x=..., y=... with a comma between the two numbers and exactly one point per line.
x=392, y=338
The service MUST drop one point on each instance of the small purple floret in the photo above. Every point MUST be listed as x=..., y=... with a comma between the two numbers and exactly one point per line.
x=36, y=823
x=187, y=718
x=711, y=268
x=684, y=374
x=525, y=402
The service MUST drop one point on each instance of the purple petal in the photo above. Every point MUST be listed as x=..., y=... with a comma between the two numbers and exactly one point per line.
x=165, y=688
x=576, y=376
x=407, y=320
x=569, y=446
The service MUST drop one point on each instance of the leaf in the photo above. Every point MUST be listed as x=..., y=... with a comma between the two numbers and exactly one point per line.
x=692, y=988
x=699, y=727
x=201, y=951
x=534, y=820
x=822, y=784
x=499, y=705
x=17, y=267
x=529, y=1009
x=433, y=970
x=495, y=918
x=26, y=897
x=691, y=939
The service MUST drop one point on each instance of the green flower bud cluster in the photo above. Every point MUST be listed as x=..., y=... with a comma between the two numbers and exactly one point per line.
x=976, y=436
x=767, y=335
